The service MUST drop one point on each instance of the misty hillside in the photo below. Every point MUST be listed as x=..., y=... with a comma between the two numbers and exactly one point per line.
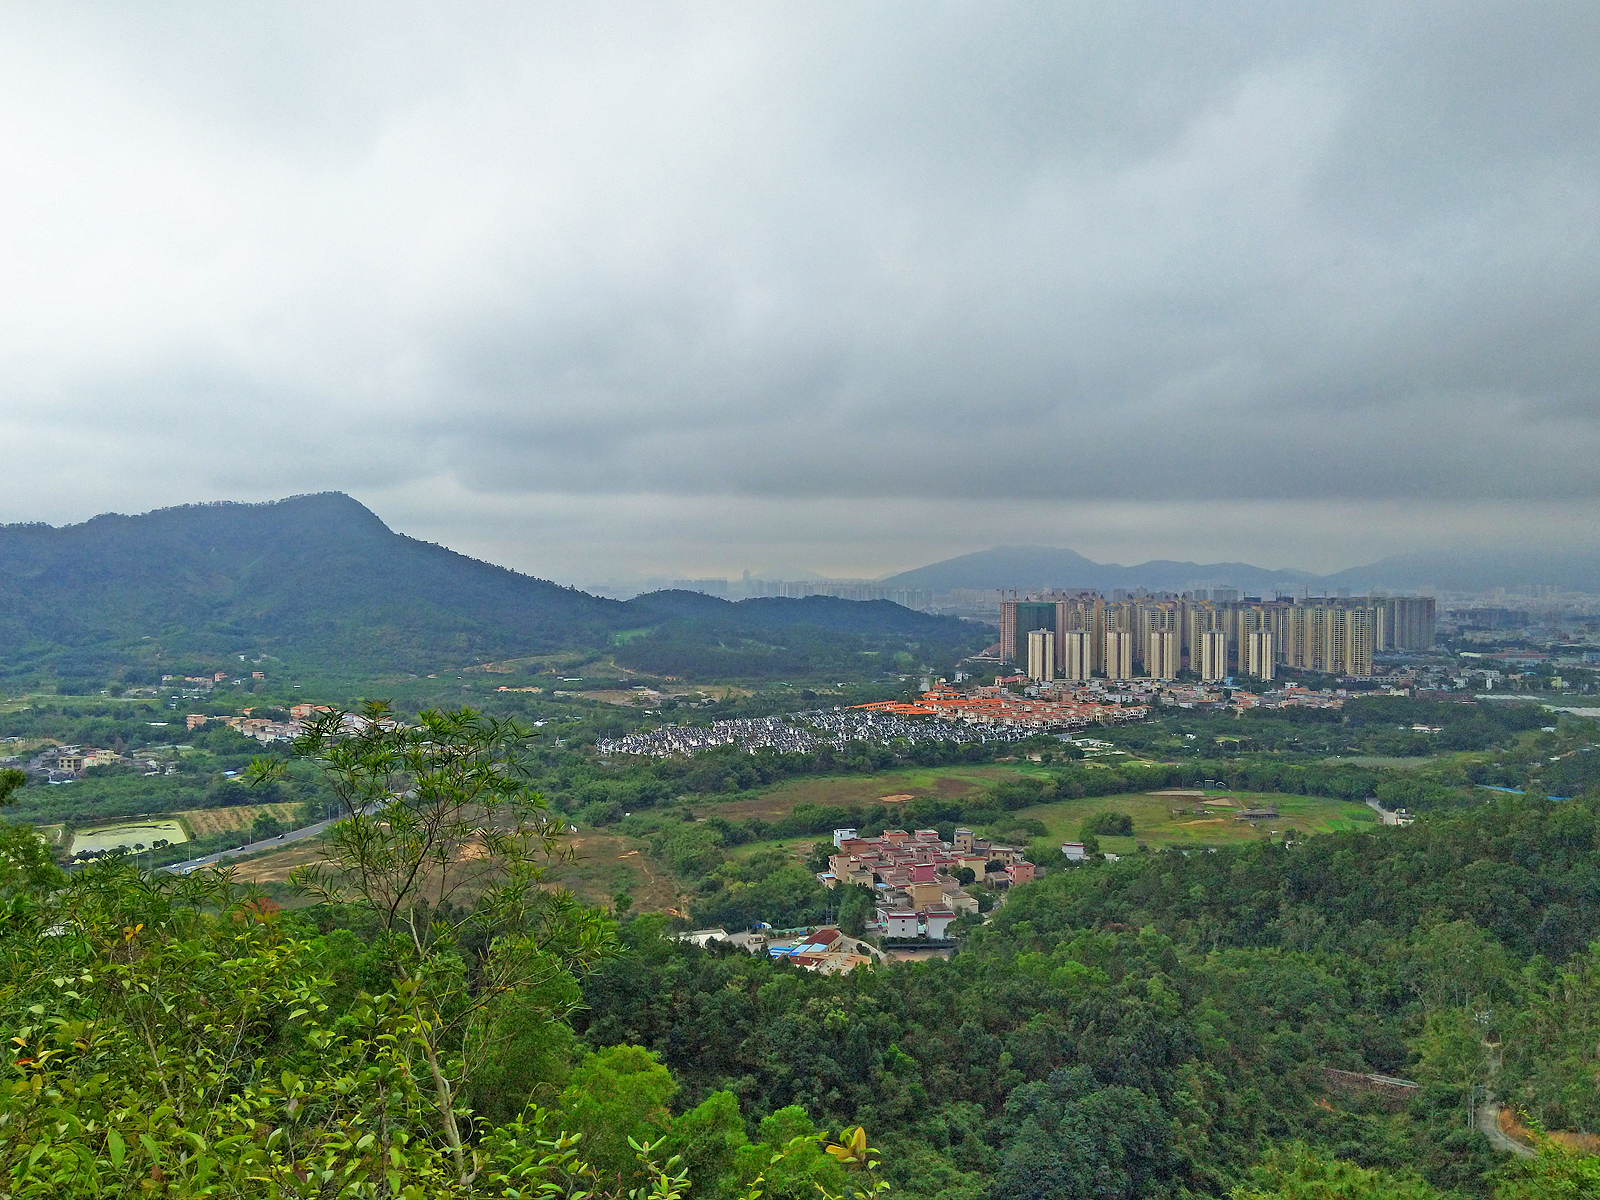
x=694, y=636
x=1454, y=571
x=1048, y=567
x=321, y=583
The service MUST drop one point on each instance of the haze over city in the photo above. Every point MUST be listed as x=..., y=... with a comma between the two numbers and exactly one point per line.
x=642, y=291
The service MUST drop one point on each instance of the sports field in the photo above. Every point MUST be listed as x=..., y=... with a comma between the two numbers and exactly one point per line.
x=1185, y=817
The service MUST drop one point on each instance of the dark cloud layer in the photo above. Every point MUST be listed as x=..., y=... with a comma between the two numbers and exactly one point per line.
x=596, y=289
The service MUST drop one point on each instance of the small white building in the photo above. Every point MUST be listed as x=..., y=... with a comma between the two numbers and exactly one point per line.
x=1074, y=851
x=842, y=835
x=703, y=937
x=902, y=924
x=938, y=920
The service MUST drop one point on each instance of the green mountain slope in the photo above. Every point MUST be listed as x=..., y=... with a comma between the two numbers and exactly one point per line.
x=321, y=583
x=309, y=579
x=693, y=636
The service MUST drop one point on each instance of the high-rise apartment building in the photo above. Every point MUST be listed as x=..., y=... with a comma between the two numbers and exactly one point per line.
x=1336, y=637
x=1407, y=623
x=1119, y=653
x=1019, y=618
x=1076, y=648
x=1161, y=654
x=1041, y=655
x=1351, y=638
x=1117, y=617
x=1257, y=656
x=1209, y=658
x=1202, y=619
x=1248, y=619
x=1332, y=635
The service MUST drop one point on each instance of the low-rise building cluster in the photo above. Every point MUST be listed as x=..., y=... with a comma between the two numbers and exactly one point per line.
x=1141, y=695
x=802, y=731
x=748, y=733
x=1050, y=707
x=59, y=764
x=885, y=723
x=260, y=728
x=265, y=730
x=824, y=950
x=915, y=876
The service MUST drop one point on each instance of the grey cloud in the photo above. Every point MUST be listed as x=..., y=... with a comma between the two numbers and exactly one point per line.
x=1066, y=254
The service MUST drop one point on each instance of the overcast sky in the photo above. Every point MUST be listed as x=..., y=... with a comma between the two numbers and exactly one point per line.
x=600, y=290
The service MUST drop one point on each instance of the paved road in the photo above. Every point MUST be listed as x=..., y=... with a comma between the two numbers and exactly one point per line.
x=1489, y=1124
x=1389, y=818
x=271, y=843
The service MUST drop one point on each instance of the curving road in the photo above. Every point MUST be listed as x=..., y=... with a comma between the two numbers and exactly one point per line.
x=1489, y=1125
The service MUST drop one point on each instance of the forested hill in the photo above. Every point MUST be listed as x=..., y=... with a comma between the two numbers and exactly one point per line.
x=311, y=578
x=693, y=636
x=320, y=582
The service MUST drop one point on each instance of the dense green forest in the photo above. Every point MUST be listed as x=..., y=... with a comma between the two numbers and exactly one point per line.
x=436, y=1022
x=1153, y=1027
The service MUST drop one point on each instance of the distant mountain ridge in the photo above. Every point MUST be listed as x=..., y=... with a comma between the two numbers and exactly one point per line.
x=320, y=581
x=1050, y=567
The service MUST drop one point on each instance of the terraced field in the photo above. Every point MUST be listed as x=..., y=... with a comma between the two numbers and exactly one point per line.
x=203, y=822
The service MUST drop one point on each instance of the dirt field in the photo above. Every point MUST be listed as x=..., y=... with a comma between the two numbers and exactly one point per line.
x=203, y=822
x=275, y=867
x=866, y=790
x=603, y=866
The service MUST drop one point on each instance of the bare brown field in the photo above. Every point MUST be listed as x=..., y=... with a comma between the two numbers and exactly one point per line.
x=275, y=867
x=203, y=822
x=602, y=866
x=865, y=790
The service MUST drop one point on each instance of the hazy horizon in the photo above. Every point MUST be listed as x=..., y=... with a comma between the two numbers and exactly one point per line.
x=1218, y=576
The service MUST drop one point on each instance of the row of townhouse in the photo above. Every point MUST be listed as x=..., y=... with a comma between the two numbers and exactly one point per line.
x=259, y=728
x=264, y=730
x=1063, y=708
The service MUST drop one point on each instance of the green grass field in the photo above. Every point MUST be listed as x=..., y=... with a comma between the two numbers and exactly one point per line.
x=1157, y=821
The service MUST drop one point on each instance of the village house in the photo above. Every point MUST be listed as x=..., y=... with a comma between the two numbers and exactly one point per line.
x=917, y=872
